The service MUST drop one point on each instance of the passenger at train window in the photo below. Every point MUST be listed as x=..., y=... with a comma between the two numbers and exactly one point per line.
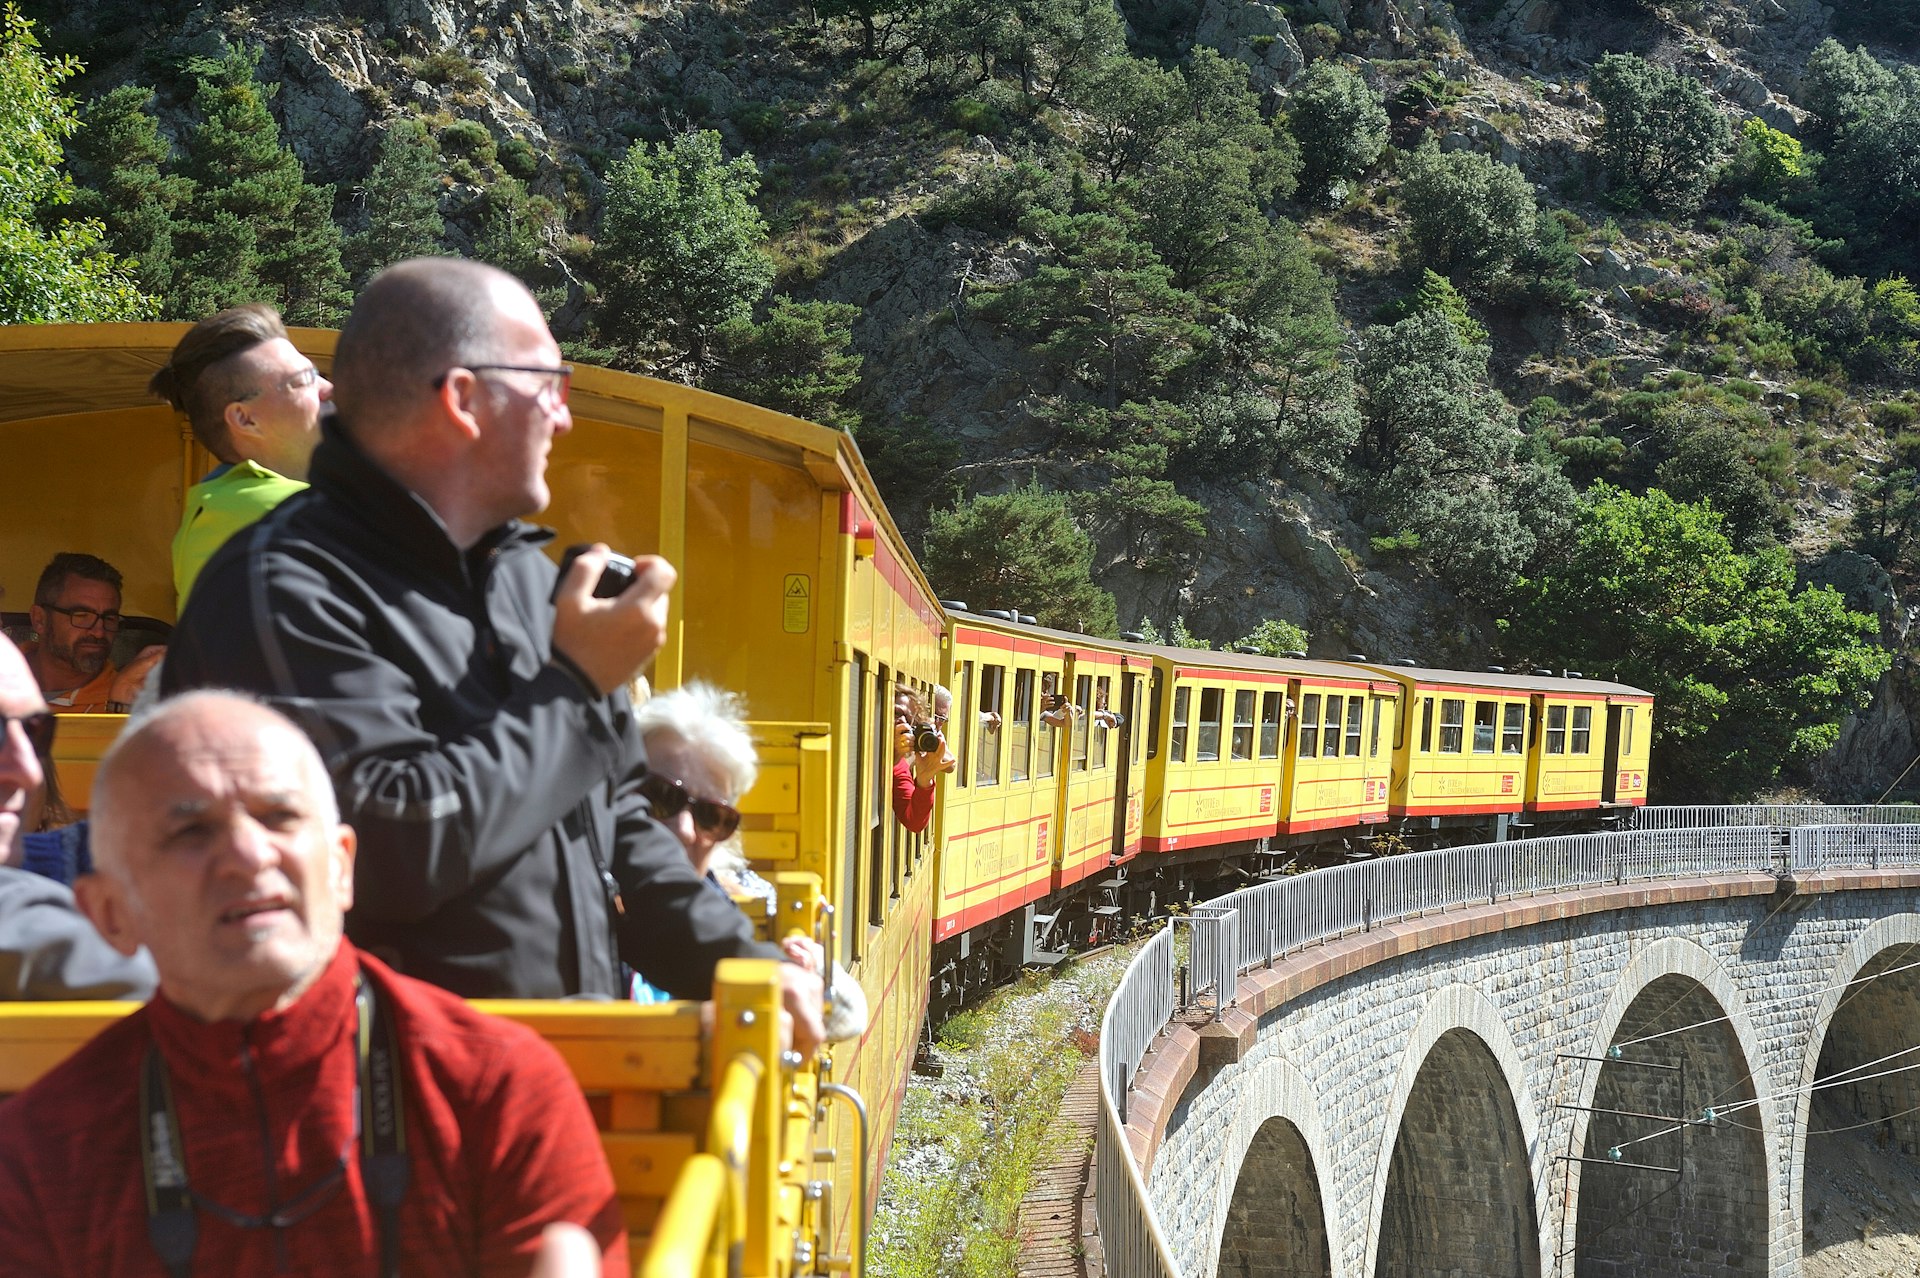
x=917, y=764
x=472, y=704
x=1055, y=710
x=942, y=713
x=1102, y=716
x=48, y=949
x=220, y=1125
x=76, y=614
x=700, y=762
x=254, y=402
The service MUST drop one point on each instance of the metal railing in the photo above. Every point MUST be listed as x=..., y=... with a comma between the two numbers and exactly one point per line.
x=1255, y=925
x=1780, y=816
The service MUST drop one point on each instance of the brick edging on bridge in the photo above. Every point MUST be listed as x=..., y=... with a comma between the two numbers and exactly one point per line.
x=1197, y=1040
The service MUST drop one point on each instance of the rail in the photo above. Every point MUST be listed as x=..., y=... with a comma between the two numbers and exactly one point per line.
x=1260, y=924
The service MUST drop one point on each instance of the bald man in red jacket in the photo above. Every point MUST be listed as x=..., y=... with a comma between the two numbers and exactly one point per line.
x=286, y=1104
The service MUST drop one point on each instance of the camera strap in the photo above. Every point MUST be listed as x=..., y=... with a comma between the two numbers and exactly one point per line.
x=381, y=1131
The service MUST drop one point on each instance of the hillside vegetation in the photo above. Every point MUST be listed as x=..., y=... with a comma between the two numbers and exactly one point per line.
x=1508, y=331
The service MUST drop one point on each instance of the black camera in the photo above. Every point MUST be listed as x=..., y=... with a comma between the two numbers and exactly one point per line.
x=614, y=578
x=1054, y=701
x=926, y=738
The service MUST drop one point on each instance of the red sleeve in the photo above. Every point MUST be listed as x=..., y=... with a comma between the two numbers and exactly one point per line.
x=544, y=1164
x=912, y=802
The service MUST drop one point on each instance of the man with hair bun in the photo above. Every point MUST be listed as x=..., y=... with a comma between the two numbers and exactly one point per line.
x=471, y=709
x=254, y=402
x=285, y=1104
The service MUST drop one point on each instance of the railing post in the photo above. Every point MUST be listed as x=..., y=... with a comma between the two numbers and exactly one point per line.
x=746, y=1036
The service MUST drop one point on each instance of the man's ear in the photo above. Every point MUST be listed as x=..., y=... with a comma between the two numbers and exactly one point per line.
x=239, y=420
x=103, y=900
x=347, y=847
x=37, y=618
x=459, y=395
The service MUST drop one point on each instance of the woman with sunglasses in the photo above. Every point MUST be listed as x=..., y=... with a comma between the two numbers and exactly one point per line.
x=700, y=760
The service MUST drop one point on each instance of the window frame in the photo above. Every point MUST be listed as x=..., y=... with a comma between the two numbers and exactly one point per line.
x=1218, y=697
x=1453, y=719
x=1557, y=731
x=1580, y=731
x=1020, y=727
x=1356, y=725
x=1242, y=697
x=1332, y=725
x=993, y=679
x=1513, y=728
x=1273, y=723
x=1309, y=746
x=1486, y=726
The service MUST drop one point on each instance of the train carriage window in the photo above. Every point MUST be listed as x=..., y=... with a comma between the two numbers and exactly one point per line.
x=1330, y=739
x=1513, y=728
x=1485, y=715
x=987, y=756
x=1177, y=745
x=1020, y=726
x=1373, y=738
x=1103, y=688
x=1207, y=747
x=1082, y=722
x=856, y=828
x=1582, y=742
x=1309, y=725
x=1453, y=723
x=1133, y=714
x=1426, y=725
x=1356, y=708
x=1243, y=724
x=1626, y=731
x=1046, y=737
x=960, y=732
x=1154, y=699
x=1270, y=704
x=1556, y=729
x=878, y=876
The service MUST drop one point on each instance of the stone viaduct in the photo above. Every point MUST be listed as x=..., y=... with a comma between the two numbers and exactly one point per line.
x=1611, y=1079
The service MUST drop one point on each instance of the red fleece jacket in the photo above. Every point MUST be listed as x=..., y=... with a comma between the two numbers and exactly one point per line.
x=501, y=1140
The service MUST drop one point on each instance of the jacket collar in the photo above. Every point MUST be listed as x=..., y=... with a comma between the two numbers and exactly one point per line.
x=283, y=1041
x=395, y=514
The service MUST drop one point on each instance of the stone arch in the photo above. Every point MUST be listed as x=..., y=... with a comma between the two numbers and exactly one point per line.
x=1860, y=1018
x=1460, y=1106
x=1276, y=1124
x=1711, y=1219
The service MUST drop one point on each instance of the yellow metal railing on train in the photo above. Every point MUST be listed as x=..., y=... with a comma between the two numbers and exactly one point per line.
x=688, y=1241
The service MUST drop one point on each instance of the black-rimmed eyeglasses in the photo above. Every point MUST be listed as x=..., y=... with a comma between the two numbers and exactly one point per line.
x=39, y=727
x=560, y=379
x=669, y=798
x=87, y=618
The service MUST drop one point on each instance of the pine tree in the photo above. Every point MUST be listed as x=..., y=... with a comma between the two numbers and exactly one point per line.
x=401, y=195
x=799, y=361
x=1019, y=550
x=243, y=171
x=122, y=168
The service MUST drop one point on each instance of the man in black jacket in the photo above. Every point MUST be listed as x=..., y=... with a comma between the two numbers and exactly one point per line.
x=478, y=734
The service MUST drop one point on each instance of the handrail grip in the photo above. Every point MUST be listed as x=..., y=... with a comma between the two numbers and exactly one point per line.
x=688, y=1240
x=848, y=1096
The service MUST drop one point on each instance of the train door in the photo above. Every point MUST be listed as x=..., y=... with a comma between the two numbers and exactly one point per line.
x=1610, y=775
x=1382, y=711
x=1536, y=755
x=1077, y=778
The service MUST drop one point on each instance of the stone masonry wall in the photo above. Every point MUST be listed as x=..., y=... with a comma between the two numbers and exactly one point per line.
x=1334, y=1038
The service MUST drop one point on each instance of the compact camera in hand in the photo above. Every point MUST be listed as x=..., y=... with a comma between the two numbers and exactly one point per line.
x=614, y=578
x=926, y=738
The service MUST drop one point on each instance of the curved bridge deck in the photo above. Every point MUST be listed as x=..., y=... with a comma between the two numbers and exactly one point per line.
x=1588, y=1055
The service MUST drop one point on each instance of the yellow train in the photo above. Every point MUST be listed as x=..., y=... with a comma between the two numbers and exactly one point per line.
x=1094, y=779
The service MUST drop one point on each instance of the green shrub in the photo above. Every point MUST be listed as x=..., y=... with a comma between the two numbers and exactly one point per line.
x=468, y=140
x=975, y=117
x=518, y=157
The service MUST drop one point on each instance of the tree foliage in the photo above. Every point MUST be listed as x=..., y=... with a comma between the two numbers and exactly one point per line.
x=1662, y=137
x=1340, y=124
x=402, y=200
x=1273, y=637
x=1869, y=180
x=1438, y=456
x=65, y=273
x=1750, y=675
x=1019, y=550
x=1470, y=217
x=799, y=360
x=122, y=172
x=680, y=249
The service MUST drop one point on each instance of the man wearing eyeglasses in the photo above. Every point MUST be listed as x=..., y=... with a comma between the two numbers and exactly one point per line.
x=253, y=401
x=48, y=950
x=471, y=710
x=76, y=614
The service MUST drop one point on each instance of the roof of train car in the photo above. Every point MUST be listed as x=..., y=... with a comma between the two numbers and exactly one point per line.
x=1175, y=656
x=55, y=370
x=1516, y=682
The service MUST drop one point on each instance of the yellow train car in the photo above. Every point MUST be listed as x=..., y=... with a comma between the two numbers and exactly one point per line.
x=795, y=590
x=1246, y=748
x=1497, y=744
x=1047, y=787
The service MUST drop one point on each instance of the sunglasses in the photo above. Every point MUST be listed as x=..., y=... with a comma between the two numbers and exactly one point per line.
x=669, y=799
x=38, y=727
